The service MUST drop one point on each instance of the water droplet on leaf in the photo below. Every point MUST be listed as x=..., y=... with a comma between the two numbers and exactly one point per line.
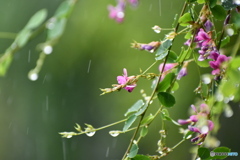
x=47, y=49
x=33, y=76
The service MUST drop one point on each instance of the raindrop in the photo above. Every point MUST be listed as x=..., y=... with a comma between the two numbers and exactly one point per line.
x=239, y=68
x=204, y=129
x=156, y=29
x=228, y=112
x=33, y=76
x=206, y=79
x=219, y=97
x=69, y=136
x=114, y=133
x=226, y=100
x=188, y=137
x=90, y=134
x=51, y=24
x=230, y=31
x=231, y=97
x=89, y=65
x=120, y=14
x=48, y=49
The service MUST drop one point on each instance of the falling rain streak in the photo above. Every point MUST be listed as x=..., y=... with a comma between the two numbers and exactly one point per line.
x=47, y=103
x=160, y=7
x=89, y=65
x=29, y=56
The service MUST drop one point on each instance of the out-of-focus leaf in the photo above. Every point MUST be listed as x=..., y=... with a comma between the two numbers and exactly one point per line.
x=201, y=1
x=220, y=149
x=225, y=41
x=57, y=29
x=131, y=119
x=218, y=12
x=37, y=19
x=144, y=131
x=185, y=54
x=166, y=99
x=185, y=19
x=203, y=153
x=133, y=151
x=5, y=62
x=141, y=157
x=23, y=37
x=64, y=9
x=134, y=108
x=162, y=51
x=212, y=3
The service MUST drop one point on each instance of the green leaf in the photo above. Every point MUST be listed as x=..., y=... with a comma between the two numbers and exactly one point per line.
x=64, y=9
x=188, y=35
x=162, y=51
x=57, y=30
x=218, y=12
x=141, y=157
x=37, y=19
x=5, y=62
x=166, y=99
x=203, y=153
x=220, y=149
x=147, y=120
x=131, y=119
x=212, y=3
x=172, y=57
x=166, y=82
x=144, y=131
x=23, y=37
x=175, y=86
x=141, y=110
x=173, y=121
x=134, y=108
x=185, y=19
x=185, y=54
x=201, y=1
x=225, y=41
x=133, y=151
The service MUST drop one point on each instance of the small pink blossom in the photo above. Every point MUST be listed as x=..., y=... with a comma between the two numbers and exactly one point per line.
x=123, y=80
x=117, y=12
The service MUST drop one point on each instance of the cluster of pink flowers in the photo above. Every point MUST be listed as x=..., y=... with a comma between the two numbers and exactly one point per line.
x=118, y=12
x=199, y=123
x=208, y=49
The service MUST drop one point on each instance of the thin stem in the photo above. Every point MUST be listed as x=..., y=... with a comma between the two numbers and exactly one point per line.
x=154, y=90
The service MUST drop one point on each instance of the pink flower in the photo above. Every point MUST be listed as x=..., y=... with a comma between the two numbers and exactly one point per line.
x=199, y=123
x=216, y=65
x=117, y=12
x=123, y=80
x=133, y=2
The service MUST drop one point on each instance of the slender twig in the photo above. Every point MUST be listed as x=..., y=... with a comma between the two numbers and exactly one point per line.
x=154, y=90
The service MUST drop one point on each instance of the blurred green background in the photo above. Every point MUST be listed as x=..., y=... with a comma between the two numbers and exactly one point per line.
x=89, y=56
